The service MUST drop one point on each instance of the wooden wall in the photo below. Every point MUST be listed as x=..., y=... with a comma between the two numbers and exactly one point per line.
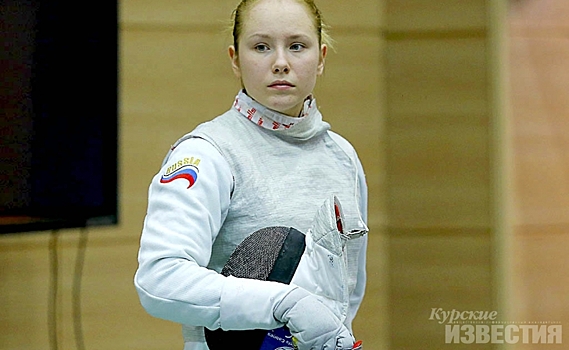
x=539, y=82
x=445, y=164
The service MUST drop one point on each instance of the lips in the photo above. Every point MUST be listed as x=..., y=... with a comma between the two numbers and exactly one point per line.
x=281, y=84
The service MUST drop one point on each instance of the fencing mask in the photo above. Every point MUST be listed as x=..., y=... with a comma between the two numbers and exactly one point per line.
x=269, y=254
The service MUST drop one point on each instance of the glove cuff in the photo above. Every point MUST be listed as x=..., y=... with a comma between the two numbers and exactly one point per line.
x=287, y=302
x=249, y=304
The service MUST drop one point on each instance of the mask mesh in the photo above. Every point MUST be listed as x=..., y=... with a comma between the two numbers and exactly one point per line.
x=255, y=257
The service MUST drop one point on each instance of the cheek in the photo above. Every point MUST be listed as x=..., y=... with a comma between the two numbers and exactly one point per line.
x=310, y=72
x=249, y=69
x=313, y=65
x=249, y=74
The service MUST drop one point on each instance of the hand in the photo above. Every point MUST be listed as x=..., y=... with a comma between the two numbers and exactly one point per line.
x=312, y=324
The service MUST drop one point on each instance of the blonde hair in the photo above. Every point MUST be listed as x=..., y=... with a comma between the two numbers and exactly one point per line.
x=244, y=5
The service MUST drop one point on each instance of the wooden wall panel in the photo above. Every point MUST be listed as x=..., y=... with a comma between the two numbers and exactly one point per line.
x=437, y=76
x=538, y=44
x=24, y=288
x=213, y=14
x=448, y=16
x=438, y=131
x=164, y=77
x=429, y=271
x=438, y=174
x=539, y=80
x=199, y=15
x=354, y=16
x=444, y=182
x=540, y=280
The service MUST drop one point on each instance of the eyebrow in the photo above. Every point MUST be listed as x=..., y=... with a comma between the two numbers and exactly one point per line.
x=290, y=37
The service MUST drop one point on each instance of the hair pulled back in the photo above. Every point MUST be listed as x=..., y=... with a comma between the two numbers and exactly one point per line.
x=239, y=14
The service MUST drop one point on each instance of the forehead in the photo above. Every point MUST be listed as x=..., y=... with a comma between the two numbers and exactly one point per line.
x=270, y=16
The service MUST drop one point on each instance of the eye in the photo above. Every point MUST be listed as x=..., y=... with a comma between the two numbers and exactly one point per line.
x=261, y=48
x=297, y=47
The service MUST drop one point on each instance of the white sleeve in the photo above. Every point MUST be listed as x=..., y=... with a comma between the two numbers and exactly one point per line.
x=358, y=293
x=188, y=201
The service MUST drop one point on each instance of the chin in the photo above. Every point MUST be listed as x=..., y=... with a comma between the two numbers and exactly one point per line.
x=289, y=112
x=291, y=109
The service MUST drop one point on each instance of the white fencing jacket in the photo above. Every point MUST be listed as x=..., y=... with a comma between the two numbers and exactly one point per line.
x=246, y=169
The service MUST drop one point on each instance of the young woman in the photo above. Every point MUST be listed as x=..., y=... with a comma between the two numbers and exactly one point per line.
x=270, y=160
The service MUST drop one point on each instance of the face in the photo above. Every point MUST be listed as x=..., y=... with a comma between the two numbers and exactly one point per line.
x=279, y=56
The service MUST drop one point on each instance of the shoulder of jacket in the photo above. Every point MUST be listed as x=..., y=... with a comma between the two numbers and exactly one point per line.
x=342, y=142
x=202, y=131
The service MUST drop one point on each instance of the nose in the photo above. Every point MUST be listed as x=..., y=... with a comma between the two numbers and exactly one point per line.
x=281, y=64
x=280, y=69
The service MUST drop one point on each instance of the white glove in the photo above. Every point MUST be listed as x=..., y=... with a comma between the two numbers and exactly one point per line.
x=323, y=269
x=312, y=323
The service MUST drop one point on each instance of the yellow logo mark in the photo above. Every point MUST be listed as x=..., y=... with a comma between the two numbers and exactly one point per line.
x=181, y=163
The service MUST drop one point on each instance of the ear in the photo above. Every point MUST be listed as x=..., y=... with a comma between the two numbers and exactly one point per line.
x=323, y=52
x=234, y=61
